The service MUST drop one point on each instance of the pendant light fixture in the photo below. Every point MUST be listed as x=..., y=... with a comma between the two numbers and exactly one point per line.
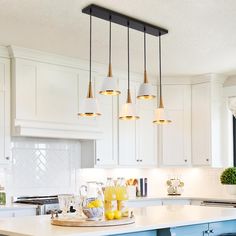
x=160, y=116
x=109, y=86
x=128, y=110
x=145, y=90
x=89, y=107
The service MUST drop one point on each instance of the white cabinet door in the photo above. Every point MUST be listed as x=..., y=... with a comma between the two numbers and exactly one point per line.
x=146, y=133
x=106, y=147
x=201, y=124
x=57, y=94
x=4, y=111
x=176, y=202
x=7, y=213
x=144, y=203
x=127, y=130
x=175, y=138
x=46, y=101
x=25, y=212
x=2, y=127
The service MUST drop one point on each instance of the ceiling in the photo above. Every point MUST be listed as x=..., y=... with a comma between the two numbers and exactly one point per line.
x=201, y=39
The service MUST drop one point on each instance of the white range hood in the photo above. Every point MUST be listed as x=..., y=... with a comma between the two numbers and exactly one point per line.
x=46, y=96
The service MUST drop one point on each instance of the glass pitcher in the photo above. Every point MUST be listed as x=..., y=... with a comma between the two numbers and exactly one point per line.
x=92, y=200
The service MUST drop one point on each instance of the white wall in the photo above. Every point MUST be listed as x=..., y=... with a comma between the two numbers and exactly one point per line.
x=51, y=166
x=198, y=181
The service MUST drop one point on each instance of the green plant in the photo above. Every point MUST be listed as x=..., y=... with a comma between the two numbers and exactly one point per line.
x=228, y=176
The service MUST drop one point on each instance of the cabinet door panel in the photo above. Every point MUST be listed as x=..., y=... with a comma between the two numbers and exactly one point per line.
x=2, y=127
x=224, y=227
x=146, y=138
x=25, y=94
x=127, y=131
x=193, y=230
x=7, y=213
x=106, y=148
x=173, y=139
x=57, y=94
x=174, y=96
x=25, y=212
x=201, y=124
x=3, y=71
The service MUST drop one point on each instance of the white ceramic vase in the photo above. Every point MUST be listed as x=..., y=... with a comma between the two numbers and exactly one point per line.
x=231, y=188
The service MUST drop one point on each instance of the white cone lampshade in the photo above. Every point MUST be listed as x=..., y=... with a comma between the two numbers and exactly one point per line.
x=90, y=108
x=128, y=110
x=145, y=92
x=160, y=117
x=109, y=87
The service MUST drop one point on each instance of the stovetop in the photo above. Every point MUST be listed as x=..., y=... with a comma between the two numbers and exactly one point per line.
x=38, y=200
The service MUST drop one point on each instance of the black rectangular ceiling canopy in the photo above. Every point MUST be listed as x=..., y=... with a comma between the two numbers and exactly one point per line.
x=120, y=19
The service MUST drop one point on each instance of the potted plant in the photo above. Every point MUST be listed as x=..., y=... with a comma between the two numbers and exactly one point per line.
x=228, y=178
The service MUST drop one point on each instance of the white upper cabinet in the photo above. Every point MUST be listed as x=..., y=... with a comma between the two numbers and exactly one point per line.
x=46, y=101
x=146, y=133
x=175, y=137
x=207, y=122
x=201, y=124
x=106, y=148
x=4, y=110
x=137, y=139
x=127, y=129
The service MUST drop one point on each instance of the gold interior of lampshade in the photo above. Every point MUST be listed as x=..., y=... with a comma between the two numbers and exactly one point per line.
x=110, y=92
x=127, y=117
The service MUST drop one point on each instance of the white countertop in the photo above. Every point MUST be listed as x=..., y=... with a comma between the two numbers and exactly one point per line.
x=226, y=198
x=146, y=219
x=15, y=206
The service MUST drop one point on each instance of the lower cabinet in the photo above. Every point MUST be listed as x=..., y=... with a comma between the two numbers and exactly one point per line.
x=144, y=203
x=157, y=202
x=211, y=229
x=17, y=212
x=142, y=233
x=176, y=202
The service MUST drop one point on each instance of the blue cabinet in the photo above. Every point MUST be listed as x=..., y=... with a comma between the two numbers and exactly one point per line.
x=223, y=227
x=208, y=229
x=211, y=229
x=143, y=233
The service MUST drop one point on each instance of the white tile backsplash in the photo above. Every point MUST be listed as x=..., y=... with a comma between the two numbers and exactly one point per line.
x=51, y=166
x=43, y=166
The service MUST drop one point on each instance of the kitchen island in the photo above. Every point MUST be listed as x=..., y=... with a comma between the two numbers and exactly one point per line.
x=150, y=221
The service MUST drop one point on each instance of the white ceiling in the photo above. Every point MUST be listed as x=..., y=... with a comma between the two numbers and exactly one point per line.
x=201, y=39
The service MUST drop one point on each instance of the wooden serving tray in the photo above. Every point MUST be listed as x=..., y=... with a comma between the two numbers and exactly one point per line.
x=83, y=222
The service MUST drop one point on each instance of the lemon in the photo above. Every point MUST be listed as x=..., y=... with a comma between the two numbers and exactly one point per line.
x=110, y=215
x=97, y=203
x=117, y=214
x=90, y=205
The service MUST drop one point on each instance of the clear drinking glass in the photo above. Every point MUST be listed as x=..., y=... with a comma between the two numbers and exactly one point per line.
x=64, y=203
x=77, y=202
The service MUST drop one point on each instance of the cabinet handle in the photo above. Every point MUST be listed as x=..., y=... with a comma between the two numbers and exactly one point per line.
x=207, y=159
x=185, y=160
x=141, y=160
x=209, y=231
x=7, y=158
x=138, y=160
x=98, y=159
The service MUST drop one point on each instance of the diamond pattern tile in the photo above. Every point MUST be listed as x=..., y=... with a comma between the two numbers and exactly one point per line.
x=43, y=164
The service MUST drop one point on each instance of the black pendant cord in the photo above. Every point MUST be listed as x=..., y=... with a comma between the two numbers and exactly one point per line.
x=90, y=49
x=145, y=55
x=110, y=41
x=160, y=70
x=128, y=55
